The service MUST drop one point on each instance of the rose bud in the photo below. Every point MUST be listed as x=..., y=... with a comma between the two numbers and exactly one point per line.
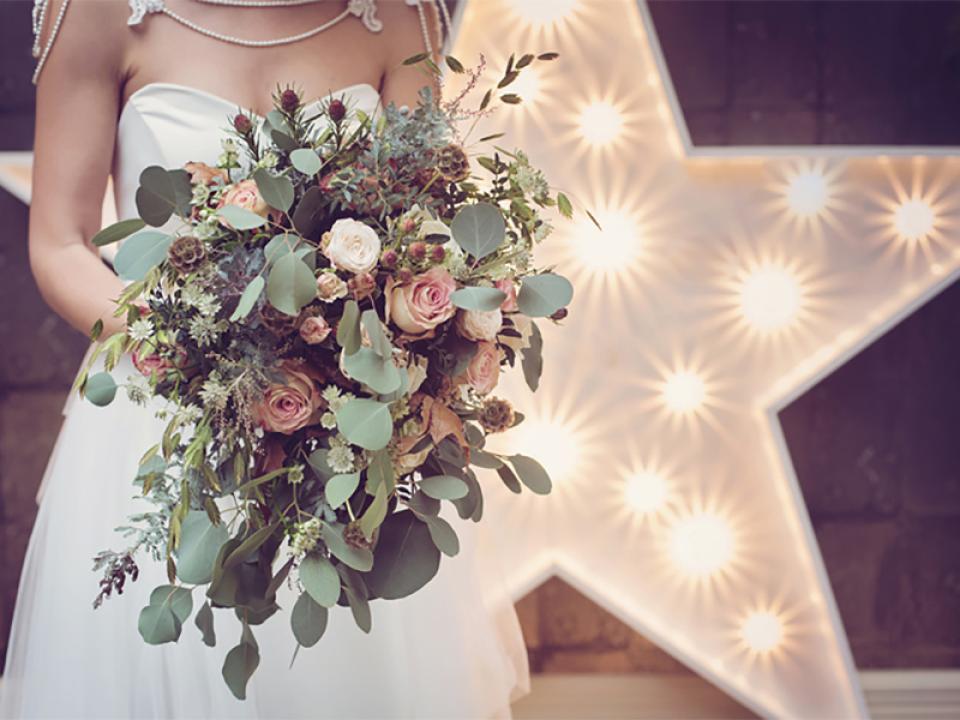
x=389, y=258
x=409, y=225
x=437, y=253
x=289, y=100
x=417, y=250
x=362, y=285
x=242, y=124
x=404, y=275
x=336, y=110
x=559, y=314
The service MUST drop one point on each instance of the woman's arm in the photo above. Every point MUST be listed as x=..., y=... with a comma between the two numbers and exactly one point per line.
x=77, y=106
x=402, y=83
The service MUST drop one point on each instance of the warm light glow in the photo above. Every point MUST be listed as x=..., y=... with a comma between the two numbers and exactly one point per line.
x=684, y=392
x=612, y=247
x=807, y=193
x=527, y=86
x=646, y=492
x=543, y=12
x=762, y=631
x=600, y=124
x=701, y=544
x=770, y=298
x=913, y=220
x=552, y=443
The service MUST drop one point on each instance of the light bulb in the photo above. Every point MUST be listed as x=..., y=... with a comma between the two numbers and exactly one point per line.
x=807, y=193
x=770, y=297
x=600, y=123
x=612, y=247
x=684, y=392
x=646, y=492
x=913, y=220
x=543, y=12
x=701, y=544
x=762, y=631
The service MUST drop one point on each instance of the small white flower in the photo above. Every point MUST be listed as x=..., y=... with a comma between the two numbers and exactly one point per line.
x=140, y=329
x=205, y=330
x=138, y=391
x=305, y=537
x=214, y=393
x=328, y=420
x=340, y=457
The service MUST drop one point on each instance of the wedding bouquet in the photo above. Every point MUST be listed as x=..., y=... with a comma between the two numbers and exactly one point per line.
x=326, y=313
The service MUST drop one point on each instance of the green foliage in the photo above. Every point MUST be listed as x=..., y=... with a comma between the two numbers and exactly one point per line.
x=140, y=253
x=366, y=423
x=161, y=194
x=276, y=190
x=100, y=389
x=531, y=474
x=248, y=299
x=240, y=664
x=291, y=284
x=406, y=558
x=240, y=218
x=320, y=579
x=116, y=232
x=306, y=161
x=443, y=487
x=531, y=359
x=478, y=298
x=204, y=623
x=479, y=229
x=340, y=487
x=542, y=295
x=200, y=543
x=308, y=620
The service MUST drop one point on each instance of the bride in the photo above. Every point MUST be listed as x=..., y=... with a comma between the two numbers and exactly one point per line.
x=125, y=85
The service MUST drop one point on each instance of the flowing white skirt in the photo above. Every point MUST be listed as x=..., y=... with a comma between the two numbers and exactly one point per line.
x=453, y=650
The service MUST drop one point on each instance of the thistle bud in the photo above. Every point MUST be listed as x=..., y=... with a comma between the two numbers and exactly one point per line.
x=389, y=258
x=242, y=124
x=405, y=275
x=289, y=100
x=417, y=250
x=437, y=253
x=336, y=110
x=559, y=314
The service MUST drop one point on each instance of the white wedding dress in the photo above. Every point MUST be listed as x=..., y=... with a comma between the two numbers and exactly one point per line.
x=453, y=650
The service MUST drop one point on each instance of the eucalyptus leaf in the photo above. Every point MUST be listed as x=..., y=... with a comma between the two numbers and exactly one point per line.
x=306, y=161
x=479, y=229
x=406, y=558
x=276, y=190
x=340, y=487
x=178, y=599
x=157, y=624
x=248, y=299
x=484, y=459
x=424, y=505
x=380, y=471
x=443, y=535
x=484, y=299
x=375, y=513
x=204, y=622
x=320, y=579
x=443, y=487
x=308, y=215
x=100, y=389
x=251, y=543
x=291, y=284
x=280, y=245
x=117, y=231
x=318, y=461
x=308, y=620
x=543, y=295
x=509, y=479
x=360, y=609
x=531, y=358
x=283, y=141
x=357, y=558
x=348, y=330
x=240, y=664
x=532, y=474
x=200, y=543
x=366, y=423
x=378, y=339
x=161, y=193
x=380, y=374
x=240, y=218
x=140, y=253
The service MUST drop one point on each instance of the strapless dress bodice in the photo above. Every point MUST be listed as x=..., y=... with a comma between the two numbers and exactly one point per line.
x=169, y=125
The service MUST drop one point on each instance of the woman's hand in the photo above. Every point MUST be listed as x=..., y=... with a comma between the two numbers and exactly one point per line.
x=77, y=106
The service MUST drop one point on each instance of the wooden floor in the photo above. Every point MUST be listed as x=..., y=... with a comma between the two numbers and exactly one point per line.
x=625, y=697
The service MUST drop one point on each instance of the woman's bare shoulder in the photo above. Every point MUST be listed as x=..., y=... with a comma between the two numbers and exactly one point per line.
x=88, y=32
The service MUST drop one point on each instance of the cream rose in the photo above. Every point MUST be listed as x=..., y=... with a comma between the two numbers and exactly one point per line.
x=417, y=307
x=479, y=324
x=352, y=246
x=314, y=329
x=287, y=407
x=203, y=174
x=330, y=287
x=483, y=372
x=245, y=194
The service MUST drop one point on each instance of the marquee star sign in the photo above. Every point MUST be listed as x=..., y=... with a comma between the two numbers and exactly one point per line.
x=719, y=289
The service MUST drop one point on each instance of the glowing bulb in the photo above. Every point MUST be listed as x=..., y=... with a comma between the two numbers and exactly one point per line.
x=553, y=444
x=762, y=631
x=770, y=298
x=613, y=248
x=600, y=124
x=701, y=544
x=543, y=12
x=527, y=86
x=646, y=492
x=807, y=193
x=913, y=220
x=684, y=392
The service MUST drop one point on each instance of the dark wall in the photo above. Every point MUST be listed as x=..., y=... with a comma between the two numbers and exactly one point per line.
x=869, y=72
x=16, y=67
x=876, y=451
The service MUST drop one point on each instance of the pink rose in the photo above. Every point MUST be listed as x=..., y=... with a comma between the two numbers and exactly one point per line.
x=330, y=287
x=483, y=372
x=203, y=174
x=314, y=329
x=245, y=194
x=287, y=407
x=419, y=306
x=148, y=361
x=507, y=286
